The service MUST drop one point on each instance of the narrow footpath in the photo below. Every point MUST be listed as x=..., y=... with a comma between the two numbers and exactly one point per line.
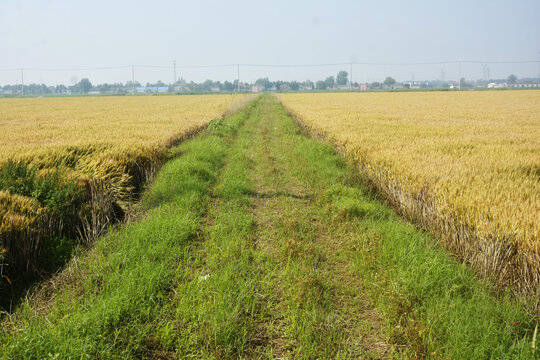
x=273, y=275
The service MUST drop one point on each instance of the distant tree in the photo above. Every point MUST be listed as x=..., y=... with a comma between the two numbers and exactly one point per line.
x=277, y=84
x=341, y=78
x=321, y=85
x=103, y=88
x=85, y=85
x=512, y=79
x=129, y=84
x=228, y=86
x=207, y=85
x=330, y=81
x=462, y=83
x=264, y=82
x=59, y=89
x=375, y=85
x=294, y=85
x=389, y=81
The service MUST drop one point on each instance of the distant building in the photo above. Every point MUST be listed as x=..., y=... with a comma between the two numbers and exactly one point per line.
x=151, y=89
x=523, y=85
x=363, y=86
x=396, y=86
x=257, y=89
x=182, y=87
x=413, y=85
x=305, y=87
x=496, y=85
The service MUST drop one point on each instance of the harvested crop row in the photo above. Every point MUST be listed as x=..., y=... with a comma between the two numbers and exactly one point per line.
x=464, y=164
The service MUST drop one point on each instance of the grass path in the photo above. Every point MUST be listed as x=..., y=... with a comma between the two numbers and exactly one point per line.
x=269, y=279
x=315, y=286
x=259, y=243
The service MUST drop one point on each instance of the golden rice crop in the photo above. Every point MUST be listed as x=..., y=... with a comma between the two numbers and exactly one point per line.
x=30, y=127
x=473, y=156
x=107, y=146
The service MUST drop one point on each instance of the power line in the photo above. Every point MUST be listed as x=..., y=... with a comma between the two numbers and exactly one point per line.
x=185, y=66
x=80, y=69
x=274, y=65
x=394, y=64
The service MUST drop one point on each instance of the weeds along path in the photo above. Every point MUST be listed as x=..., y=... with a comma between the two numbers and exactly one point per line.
x=260, y=243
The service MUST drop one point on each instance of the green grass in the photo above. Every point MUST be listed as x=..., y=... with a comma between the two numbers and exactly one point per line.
x=43, y=243
x=257, y=242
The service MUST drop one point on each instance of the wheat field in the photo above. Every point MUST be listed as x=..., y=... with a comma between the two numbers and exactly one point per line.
x=473, y=156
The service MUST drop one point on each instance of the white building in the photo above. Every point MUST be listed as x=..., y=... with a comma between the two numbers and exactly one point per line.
x=524, y=85
x=496, y=85
x=257, y=89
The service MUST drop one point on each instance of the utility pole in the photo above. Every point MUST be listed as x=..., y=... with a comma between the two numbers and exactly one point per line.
x=174, y=64
x=350, y=82
x=459, y=79
x=539, y=68
x=22, y=82
x=133, y=78
x=238, y=69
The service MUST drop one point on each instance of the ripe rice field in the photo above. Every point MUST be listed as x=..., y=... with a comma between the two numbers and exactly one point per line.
x=41, y=128
x=466, y=164
x=70, y=166
x=251, y=240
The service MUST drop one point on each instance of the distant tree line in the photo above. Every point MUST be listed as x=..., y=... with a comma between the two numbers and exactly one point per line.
x=340, y=81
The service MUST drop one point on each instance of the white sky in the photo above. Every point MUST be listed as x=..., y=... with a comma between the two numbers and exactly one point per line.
x=60, y=34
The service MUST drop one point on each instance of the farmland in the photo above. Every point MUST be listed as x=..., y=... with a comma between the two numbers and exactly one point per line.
x=70, y=166
x=252, y=241
x=41, y=128
x=463, y=164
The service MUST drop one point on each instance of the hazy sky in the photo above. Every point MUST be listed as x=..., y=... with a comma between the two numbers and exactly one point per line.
x=45, y=34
